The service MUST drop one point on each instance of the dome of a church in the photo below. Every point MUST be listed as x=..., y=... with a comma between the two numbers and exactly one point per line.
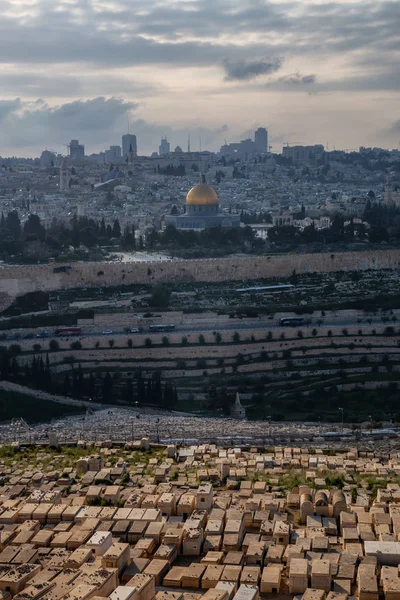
x=202, y=194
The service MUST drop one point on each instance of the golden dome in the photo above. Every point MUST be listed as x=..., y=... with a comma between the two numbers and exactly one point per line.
x=201, y=194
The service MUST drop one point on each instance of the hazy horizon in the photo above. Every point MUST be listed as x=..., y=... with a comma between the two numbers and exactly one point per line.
x=311, y=72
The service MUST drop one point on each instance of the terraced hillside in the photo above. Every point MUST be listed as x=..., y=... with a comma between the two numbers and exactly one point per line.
x=225, y=338
x=281, y=373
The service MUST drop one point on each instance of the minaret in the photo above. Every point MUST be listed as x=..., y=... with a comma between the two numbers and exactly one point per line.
x=80, y=208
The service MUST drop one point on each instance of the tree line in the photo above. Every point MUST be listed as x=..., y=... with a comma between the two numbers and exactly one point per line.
x=208, y=238
x=14, y=237
x=110, y=388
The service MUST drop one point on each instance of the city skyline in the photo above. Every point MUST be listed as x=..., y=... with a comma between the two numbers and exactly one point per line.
x=309, y=72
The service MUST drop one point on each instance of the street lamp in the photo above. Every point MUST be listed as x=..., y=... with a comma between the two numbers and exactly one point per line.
x=269, y=417
x=158, y=430
x=342, y=411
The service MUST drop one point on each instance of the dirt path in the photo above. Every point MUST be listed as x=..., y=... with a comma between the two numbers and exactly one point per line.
x=21, y=389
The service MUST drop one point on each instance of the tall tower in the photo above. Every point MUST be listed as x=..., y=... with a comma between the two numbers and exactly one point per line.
x=261, y=140
x=129, y=142
x=64, y=176
x=164, y=147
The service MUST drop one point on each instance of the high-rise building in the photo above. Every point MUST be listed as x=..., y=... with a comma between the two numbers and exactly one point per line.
x=164, y=147
x=113, y=154
x=76, y=150
x=261, y=140
x=129, y=145
x=299, y=154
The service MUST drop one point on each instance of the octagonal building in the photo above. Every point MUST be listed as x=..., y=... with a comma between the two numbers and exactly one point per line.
x=202, y=211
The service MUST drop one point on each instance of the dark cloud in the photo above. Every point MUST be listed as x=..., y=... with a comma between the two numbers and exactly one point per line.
x=192, y=33
x=97, y=123
x=298, y=79
x=197, y=33
x=24, y=124
x=242, y=70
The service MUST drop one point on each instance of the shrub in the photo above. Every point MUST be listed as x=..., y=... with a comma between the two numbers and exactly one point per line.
x=184, y=341
x=97, y=344
x=181, y=364
x=148, y=342
x=269, y=336
x=54, y=345
x=236, y=337
x=300, y=334
x=218, y=337
x=15, y=349
x=160, y=296
x=129, y=343
x=329, y=333
x=202, y=339
x=201, y=363
x=165, y=340
x=111, y=343
x=240, y=359
x=37, y=347
x=75, y=345
x=314, y=332
x=345, y=332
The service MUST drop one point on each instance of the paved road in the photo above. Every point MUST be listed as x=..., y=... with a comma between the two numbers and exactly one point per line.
x=235, y=325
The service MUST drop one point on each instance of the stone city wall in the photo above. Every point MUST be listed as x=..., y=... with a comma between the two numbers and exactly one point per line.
x=18, y=280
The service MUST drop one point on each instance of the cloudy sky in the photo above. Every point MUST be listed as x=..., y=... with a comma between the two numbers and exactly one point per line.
x=312, y=71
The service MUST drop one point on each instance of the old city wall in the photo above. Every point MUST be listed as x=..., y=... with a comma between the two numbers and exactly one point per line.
x=18, y=280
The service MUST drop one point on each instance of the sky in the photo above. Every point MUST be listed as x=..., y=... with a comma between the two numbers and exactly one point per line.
x=311, y=71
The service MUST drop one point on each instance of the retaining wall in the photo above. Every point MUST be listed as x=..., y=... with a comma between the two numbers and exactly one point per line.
x=18, y=280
